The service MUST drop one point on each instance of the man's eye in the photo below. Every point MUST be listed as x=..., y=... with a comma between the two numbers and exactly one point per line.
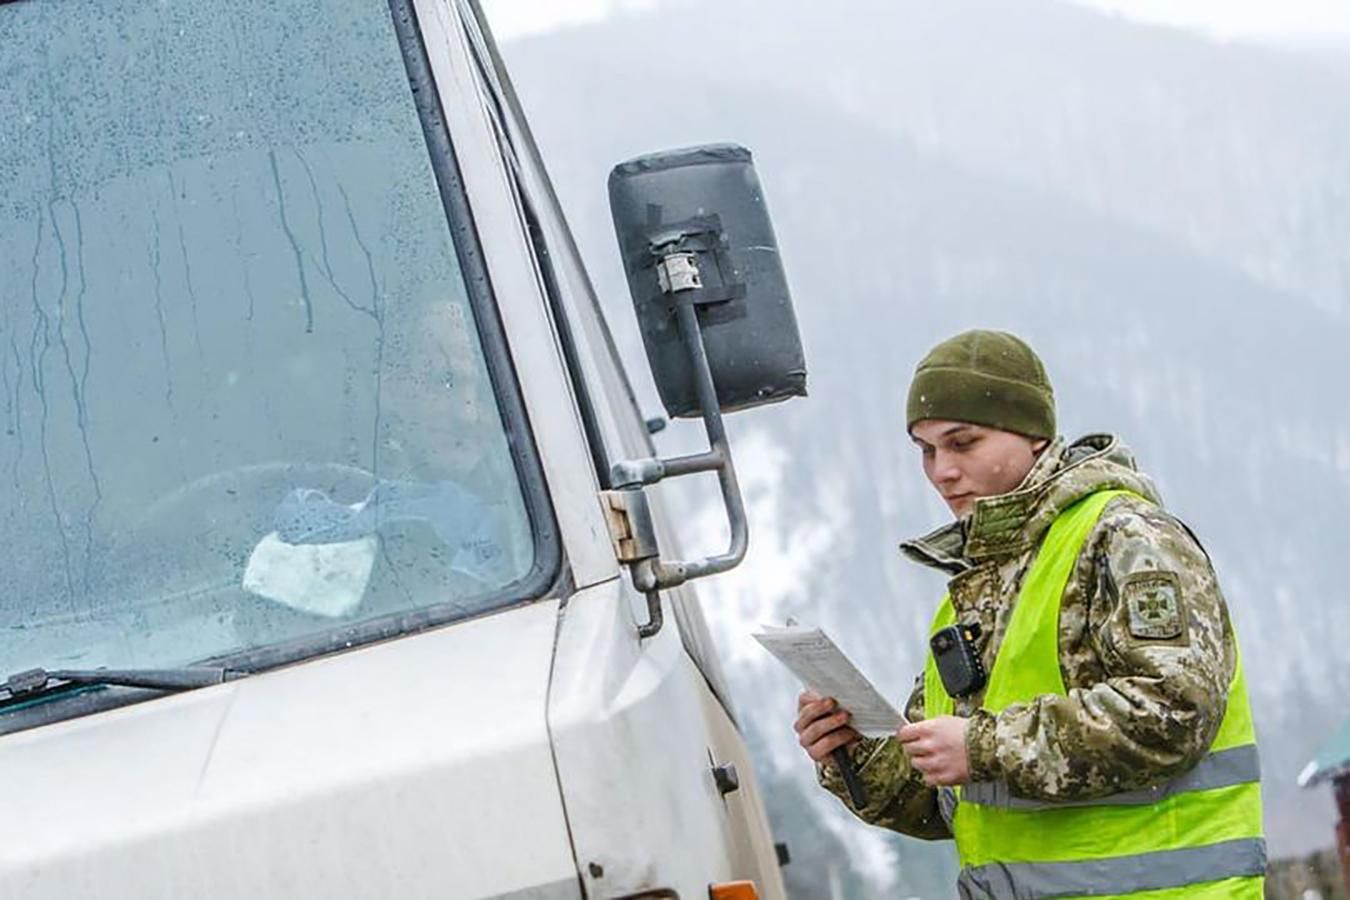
x=964, y=443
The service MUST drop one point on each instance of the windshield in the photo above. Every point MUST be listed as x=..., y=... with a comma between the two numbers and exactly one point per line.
x=245, y=399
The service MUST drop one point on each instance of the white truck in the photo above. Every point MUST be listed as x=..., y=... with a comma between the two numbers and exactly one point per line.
x=333, y=563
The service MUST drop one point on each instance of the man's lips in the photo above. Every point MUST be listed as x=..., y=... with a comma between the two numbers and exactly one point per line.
x=953, y=498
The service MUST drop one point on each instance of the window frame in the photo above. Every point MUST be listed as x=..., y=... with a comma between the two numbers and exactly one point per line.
x=617, y=430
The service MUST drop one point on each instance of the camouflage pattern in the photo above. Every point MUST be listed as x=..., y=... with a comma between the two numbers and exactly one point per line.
x=1146, y=647
x=897, y=797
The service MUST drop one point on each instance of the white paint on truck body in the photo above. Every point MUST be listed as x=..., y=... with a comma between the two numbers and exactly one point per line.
x=496, y=757
x=636, y=733
x=419, y=767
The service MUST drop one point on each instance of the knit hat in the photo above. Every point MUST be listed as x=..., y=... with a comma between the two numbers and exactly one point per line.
x=986, y=378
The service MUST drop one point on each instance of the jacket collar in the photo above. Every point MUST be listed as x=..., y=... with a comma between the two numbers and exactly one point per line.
x=1012, y=523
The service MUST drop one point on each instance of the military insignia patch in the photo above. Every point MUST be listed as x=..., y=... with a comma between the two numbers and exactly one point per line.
x=1154, y=602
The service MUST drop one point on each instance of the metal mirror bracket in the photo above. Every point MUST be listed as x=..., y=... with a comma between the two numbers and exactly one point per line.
x=651, y=574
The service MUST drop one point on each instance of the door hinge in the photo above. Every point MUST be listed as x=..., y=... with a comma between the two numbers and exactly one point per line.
x=630, y=524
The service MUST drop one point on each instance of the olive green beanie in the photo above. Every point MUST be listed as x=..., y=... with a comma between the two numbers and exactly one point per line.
x=986, y=378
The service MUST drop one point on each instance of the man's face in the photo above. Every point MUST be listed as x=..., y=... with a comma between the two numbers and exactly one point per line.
x=965, y=462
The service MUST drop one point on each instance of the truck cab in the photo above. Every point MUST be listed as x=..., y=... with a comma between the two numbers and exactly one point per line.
x=316, y=575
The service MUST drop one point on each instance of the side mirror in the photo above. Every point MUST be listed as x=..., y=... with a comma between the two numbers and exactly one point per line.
x=718, y=326
x=693, y=229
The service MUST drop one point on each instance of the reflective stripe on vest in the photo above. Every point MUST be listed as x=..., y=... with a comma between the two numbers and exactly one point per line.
x=1225, y=768
x=1232, y=862
x=1196, y=836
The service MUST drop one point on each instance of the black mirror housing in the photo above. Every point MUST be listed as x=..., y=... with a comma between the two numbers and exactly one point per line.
x=693, y=227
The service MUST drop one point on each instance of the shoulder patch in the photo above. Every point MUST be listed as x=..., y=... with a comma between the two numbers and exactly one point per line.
x=1154, y=603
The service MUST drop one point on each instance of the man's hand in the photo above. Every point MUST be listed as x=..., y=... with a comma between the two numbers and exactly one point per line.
x=821, y=726
x=937, y=748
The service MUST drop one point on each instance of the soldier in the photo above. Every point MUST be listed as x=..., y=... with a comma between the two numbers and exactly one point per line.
x=1109, y=750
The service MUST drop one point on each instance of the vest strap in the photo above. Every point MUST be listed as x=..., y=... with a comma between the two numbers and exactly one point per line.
x=948, y=800
x=1241, y=858
x=1221, y=769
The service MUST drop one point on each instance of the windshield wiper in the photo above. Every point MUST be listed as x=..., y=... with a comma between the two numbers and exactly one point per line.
x=29, y=683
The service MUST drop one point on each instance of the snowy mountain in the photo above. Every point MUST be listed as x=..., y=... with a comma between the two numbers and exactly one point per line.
x=1166, y=219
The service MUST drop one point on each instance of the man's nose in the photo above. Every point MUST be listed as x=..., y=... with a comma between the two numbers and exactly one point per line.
x=945, y=469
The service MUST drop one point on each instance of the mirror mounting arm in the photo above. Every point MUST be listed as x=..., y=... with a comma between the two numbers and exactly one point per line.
x=655, y=574
x=699, y=253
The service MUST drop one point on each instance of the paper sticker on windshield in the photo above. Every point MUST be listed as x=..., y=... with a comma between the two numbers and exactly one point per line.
x=1154, y=602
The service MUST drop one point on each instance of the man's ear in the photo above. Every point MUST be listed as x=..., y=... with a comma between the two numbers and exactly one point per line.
x=1040, y=445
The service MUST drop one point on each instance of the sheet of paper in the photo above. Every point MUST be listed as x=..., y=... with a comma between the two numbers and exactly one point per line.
x=824, y=669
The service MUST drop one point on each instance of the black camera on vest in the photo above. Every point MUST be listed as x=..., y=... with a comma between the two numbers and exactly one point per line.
x=958, y=659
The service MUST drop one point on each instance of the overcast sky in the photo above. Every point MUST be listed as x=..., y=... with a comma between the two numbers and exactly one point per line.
x=1299, y=20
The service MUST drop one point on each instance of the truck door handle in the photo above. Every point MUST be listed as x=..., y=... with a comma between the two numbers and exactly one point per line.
x=726, y=778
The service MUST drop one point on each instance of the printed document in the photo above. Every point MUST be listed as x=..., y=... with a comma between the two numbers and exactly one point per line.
x=824, y=669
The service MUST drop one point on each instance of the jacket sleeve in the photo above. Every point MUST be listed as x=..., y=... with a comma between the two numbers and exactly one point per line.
x=897, y=797
x=1157, y=623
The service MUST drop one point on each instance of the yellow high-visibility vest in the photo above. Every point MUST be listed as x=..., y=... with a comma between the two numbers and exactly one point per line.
x=1197, y=836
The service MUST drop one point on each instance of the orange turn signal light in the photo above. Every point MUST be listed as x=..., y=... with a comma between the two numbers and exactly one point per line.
x=733, y=890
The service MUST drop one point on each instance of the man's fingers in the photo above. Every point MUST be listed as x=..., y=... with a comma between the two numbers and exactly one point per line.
x=913, y=732
x=813, y=711
x=805, y=705
x=937, y=770
x=939, y=778
x=918, y=742
x=920, y=749
x=822, y=750
x=821, y=727
x=929, y=768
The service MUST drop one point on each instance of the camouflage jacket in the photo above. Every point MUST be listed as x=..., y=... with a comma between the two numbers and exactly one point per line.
x=1145, y=697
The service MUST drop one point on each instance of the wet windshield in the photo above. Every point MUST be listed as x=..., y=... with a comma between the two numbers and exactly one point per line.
x=244, y=394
